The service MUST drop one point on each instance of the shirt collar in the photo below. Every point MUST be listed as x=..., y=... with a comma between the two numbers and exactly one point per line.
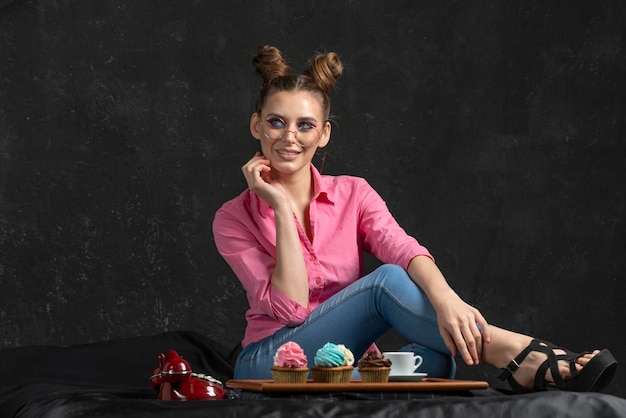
x=321, y=192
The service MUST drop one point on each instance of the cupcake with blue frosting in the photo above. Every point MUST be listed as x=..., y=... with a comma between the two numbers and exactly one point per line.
x=330, y=364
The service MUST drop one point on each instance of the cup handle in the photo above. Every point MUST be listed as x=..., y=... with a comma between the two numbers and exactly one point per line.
x=418, y=362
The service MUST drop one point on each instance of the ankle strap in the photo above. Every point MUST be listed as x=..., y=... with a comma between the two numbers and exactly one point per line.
x=514, y=365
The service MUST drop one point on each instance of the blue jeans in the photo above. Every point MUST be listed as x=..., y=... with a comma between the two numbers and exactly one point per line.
x=356, y=317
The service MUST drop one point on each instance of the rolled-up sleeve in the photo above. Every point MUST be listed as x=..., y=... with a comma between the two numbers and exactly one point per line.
x=252, y=262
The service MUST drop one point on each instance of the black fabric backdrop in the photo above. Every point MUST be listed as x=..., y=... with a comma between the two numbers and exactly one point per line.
x=495, y=132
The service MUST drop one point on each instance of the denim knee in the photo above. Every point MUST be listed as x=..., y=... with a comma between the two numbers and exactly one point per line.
x=392, y=270
x=395, y=279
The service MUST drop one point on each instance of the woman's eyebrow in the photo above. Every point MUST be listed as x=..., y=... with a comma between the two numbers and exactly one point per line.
x=302, y=118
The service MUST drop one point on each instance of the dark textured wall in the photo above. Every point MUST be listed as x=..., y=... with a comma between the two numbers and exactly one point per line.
x=495, y=131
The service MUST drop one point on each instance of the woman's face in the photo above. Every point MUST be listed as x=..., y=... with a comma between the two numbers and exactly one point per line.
x=291, y=126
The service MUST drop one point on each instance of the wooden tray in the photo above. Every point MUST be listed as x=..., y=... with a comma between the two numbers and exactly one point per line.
x=425, y=385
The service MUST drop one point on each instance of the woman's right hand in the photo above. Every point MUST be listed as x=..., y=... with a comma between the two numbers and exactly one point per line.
x=258, y=174
x=289, y=274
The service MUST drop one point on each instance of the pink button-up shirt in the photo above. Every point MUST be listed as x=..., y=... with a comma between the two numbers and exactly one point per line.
x=347, y=218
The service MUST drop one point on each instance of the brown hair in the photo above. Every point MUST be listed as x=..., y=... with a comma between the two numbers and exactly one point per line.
x=320, y=76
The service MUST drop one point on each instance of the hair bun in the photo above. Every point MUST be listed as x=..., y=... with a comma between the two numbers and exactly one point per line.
x=320, y=76
x=325, y=69
x=270, y=63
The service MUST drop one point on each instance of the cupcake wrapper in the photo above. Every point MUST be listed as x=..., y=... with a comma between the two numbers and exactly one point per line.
x=346, y=375
x=374, y=374
x=290, y=374
x=329, y=374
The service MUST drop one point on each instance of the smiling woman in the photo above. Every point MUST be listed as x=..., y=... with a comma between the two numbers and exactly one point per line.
x=292, y=114
x=491, y=129
x=290, y=125
x=295, y=240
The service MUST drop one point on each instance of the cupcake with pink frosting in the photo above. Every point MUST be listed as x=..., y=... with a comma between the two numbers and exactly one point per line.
x=290, y=364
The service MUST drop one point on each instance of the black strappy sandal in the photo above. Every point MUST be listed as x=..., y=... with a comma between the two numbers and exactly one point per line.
x=593, y=377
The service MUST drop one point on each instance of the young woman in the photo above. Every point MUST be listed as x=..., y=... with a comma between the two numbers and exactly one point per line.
x=295, y=240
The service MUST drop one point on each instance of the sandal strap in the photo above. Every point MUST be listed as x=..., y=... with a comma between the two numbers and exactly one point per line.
x=514, y=365
x=551, y=363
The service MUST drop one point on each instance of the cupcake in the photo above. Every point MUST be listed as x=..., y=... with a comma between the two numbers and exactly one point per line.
x=348, y=361
x=374, y=368
x=329, y=364
x=290, y=364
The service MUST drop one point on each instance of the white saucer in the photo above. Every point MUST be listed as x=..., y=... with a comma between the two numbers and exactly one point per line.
x=413, y=377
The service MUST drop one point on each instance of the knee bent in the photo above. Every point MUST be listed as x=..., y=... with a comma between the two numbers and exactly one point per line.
x=394, y=278
x=392, y=270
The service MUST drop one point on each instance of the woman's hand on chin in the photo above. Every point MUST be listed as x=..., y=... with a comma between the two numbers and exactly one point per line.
x=258, y=174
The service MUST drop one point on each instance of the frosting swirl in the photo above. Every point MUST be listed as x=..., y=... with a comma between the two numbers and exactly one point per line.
x=373, y=359
x=290, y=354
x=330, y=355
x=347, y=354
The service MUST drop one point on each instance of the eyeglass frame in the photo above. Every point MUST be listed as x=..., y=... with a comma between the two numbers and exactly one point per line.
x=284, y=130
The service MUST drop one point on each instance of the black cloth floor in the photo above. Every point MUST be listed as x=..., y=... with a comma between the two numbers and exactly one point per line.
x=111, y=378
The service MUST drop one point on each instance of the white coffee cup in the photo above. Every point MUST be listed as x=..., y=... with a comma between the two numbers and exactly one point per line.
x=403, y=363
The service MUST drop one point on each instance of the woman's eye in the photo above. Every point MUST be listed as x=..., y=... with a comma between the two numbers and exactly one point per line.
x=306, y=126
x=276, y=123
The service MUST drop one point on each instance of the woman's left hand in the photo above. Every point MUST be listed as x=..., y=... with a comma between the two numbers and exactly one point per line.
x=462, y=327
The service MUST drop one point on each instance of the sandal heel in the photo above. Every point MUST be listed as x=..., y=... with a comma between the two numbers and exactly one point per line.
x=596, y=375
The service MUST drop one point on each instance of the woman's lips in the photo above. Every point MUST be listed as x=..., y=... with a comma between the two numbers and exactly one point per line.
x=288, y=154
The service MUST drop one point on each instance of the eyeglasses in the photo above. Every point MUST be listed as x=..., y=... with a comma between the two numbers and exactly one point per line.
x=306, y=133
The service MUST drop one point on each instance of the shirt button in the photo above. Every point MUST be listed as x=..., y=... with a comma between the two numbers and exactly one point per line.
x=312, y=257
x=318, y=280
